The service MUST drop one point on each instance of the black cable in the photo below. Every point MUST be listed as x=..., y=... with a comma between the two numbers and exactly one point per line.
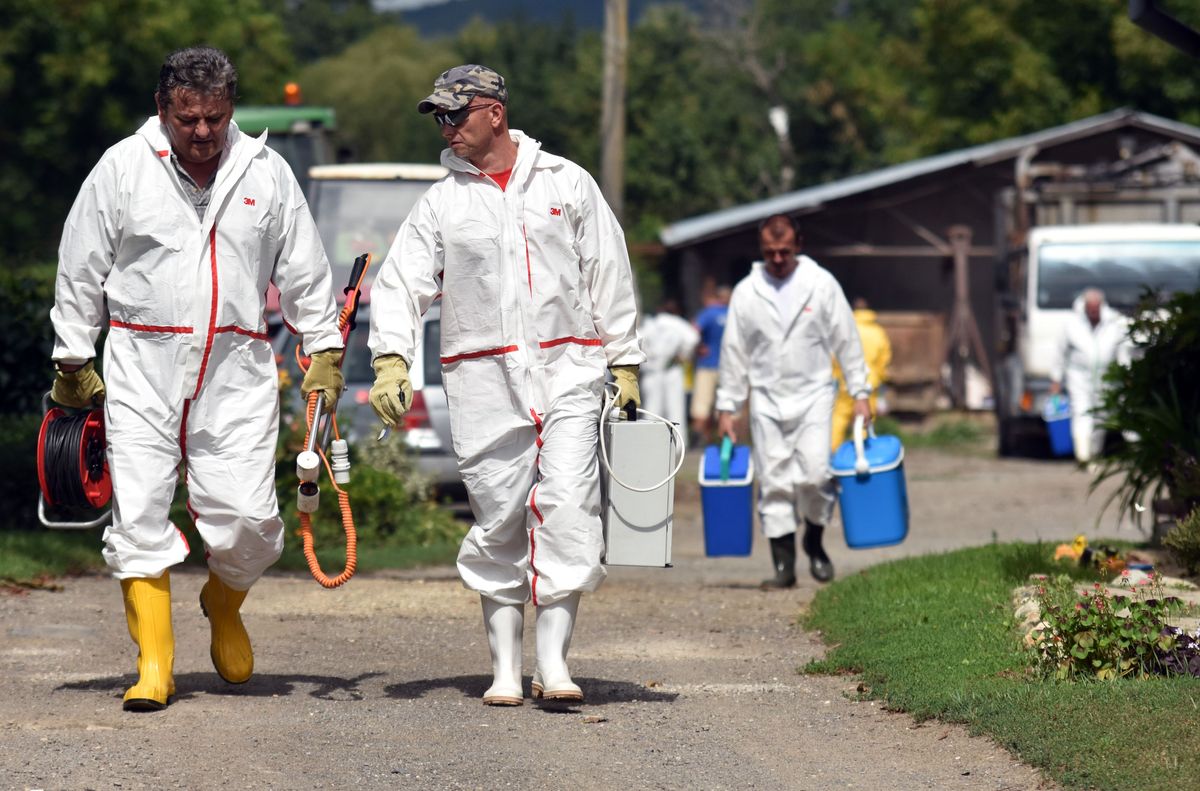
x=64, y=473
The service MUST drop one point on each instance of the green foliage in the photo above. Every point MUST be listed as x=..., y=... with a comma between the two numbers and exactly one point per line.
x=1093, y=635
x=956, y=433
x=26, y=295
x=931, y=636
x=77, y=77
x=389, y=502
x=1157, y=397
x=18, y=470
x=375, y=85
x=1184, y=541
x=28, y=557
x=322, y=28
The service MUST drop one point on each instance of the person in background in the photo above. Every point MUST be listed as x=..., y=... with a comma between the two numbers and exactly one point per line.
x=668, y=340
x=170, y=246
x=537, y=302
x=1093, y=337
x=877, y=353
x=710, y=324
x=787, y=319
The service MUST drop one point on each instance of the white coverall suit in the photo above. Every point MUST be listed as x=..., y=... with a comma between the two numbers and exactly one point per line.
x=188, y=368
x=537, y=300
x=666, y=339
x=782, y=363
x=1083, y=355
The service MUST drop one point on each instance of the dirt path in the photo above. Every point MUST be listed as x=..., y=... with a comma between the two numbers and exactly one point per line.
x=690, y=675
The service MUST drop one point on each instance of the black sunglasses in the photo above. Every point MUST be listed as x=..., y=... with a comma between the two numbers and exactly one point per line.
x=456, y=117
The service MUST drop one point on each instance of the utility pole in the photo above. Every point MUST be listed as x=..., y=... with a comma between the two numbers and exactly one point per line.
x=612, y=111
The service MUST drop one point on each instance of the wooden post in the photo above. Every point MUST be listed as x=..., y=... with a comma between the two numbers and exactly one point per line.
x=612, y=112
x=964, y=332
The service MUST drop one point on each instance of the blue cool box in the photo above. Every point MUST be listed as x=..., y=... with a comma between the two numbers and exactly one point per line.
x=874, y=504
x=1057, y=414
x=728, y=504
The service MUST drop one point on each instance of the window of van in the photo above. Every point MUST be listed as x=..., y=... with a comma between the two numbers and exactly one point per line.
x=1121, y=269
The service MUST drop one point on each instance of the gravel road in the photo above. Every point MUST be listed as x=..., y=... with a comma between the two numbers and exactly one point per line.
x=690, y=675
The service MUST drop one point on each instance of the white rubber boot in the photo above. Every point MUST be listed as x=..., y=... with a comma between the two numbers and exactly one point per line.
x=504, y=624
x=555, y=622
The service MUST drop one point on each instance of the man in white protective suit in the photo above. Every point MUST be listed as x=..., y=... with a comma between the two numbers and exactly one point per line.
x=667, y=339
x=787, y=320
x=537, y=301
x=170, y=245
x=1093, y=337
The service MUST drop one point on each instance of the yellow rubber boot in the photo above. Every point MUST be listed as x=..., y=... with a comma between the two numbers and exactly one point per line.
x=231, y=653
x=148, y=613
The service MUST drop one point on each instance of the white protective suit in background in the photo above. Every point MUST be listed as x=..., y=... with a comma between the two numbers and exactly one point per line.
x=1083, y=355
x=782, y=363
x=188, y=368
x=667, y=340
x=537, y=301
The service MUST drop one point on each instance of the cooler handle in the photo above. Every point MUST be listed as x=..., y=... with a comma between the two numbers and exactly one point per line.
x=861, y=465
x=726, y=456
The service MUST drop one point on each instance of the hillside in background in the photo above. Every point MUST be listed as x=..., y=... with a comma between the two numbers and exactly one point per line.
x=447, y=18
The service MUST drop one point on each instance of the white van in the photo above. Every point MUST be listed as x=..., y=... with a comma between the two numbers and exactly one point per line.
x=359, y=207
x=1122, y=260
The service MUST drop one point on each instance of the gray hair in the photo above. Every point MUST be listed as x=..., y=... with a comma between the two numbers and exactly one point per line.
x=204, y=70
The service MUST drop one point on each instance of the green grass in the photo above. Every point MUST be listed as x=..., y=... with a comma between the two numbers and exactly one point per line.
x=932, y=636
x=955, y=433
x=27, y=557
x=333, y=558
x=30, y=557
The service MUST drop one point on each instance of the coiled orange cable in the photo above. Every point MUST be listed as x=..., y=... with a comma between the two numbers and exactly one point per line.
x=306, y=536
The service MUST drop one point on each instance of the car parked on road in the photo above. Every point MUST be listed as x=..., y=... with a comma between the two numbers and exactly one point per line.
x=358, y=208
x=426, y=429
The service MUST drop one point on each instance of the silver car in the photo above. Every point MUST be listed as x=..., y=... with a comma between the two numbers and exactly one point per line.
x=427, y=422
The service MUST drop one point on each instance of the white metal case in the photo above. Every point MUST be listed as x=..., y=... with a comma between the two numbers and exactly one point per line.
x=637, y=525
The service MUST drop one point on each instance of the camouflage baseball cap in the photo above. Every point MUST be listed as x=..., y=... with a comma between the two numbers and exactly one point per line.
x=454, y=88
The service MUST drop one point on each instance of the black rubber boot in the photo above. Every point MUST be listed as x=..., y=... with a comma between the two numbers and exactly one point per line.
x=783, y=556
x=819, y=564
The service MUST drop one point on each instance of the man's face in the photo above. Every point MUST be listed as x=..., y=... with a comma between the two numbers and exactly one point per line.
x=472, y=136
x=1091, y=308
x=779, y=252
x=196, y=124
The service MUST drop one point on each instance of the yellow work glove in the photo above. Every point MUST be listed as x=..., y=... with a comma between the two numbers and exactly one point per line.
x=324, y=374
x=79, y=388
x=391, y=395
x=626, y=377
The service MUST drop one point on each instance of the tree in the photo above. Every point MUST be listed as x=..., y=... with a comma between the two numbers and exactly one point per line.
x=375, y=85
x=698, y=135
x=77, y=77
x=321, y=28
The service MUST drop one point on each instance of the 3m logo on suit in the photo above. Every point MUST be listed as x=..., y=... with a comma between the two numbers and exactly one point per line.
x=248, y=201
x=555, y=211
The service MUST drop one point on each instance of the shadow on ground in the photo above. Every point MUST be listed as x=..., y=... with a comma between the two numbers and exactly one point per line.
x=597, y=691
x=187, y=685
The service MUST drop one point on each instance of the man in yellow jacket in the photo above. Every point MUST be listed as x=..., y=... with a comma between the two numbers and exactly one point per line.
x=877, y=352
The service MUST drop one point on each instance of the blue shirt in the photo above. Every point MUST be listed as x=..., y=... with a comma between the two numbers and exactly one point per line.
x=711, y=323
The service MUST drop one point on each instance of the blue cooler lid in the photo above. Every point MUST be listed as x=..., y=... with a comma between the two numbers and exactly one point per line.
x=1056, y=407
x=884, y=452
x=739, y=463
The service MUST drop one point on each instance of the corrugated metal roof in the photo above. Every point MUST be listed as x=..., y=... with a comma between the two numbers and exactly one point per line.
x=704, y=226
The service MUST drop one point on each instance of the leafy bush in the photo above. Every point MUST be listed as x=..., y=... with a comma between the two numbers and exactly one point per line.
x=1184, y=540
x=18, y=470
x=1093, y=635
x=1157, y=398
x=26, y=295
x=389, y=501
